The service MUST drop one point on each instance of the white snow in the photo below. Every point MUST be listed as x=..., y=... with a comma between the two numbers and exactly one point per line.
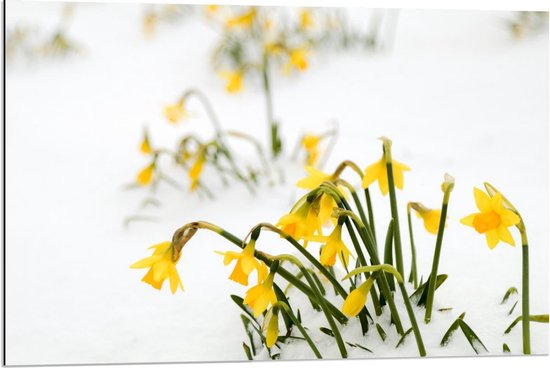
x=456, y=94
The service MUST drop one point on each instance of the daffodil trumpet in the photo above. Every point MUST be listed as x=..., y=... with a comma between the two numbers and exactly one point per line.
x=376, y=270
x=525, y=313
x=447, y=187
x=321, y=300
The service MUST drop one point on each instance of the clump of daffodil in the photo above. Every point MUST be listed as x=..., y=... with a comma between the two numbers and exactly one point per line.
x=493, y=220
x=429, y=216
x=196, y=170
x=357, y=299
x=162, y=267
x=246, y=263
x=145, y=176
x=333, y=247
x=270, y=326
x=261, y=296
x=379, y=171
x=234, y=81
x=145, y=146
x=310, y=142
x=243, y=21
x=303, y=222
x=175, y=112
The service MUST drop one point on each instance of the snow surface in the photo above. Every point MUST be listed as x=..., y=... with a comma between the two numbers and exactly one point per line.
x=456, y=94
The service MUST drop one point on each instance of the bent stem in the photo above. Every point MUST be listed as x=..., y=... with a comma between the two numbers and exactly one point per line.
x=414, y=274
x=321, y=300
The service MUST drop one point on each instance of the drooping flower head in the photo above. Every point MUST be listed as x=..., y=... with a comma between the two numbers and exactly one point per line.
x=306, y=19
x=430, y=217
x=145, y=146
x=243, y=21
x=234, y=81
x=175, y=112
x=270, y=326
x=297, y=59
x=261, y=296
x=246, y=263
x=493, y=220
x=145, y=176
x=333, y=247
x=162, y=267
x=302, y=223
x=357, y=299
x=379, y=171
x=196, y=170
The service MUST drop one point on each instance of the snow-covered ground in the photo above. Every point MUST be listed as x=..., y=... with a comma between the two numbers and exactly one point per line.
x=456, y=94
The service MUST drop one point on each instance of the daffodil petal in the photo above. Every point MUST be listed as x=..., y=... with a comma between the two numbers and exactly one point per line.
x=469, y=220
x=505, y=236
x=483, y=202
x=492, y=238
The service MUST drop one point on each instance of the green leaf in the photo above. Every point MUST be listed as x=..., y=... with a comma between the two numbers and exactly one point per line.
x=327, y=331
x=246, y=324
x=454, y=326
x=402, y=339
x=247, y=351
x=282, y=297
x=239, y=301
x=388, y=252
x=472, y=338
x=421, y=294
x=540, y=318
x=376, y=268
x=505, y=348
x=359, y=346
x=508, y=293
x=513, y=307
x=318, y=282
x=445, y=309
x=381, y=332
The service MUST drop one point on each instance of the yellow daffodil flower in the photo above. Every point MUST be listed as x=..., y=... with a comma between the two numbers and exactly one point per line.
x=306, y=19
x=234, y=81
x=150, y=23
x=246, y=263
x=335, y=247
x=315, y=178
x=430, y=217
x=175, y=112
x=145, y=146
x=196, y=170
x=243, y=21
x=145, y=176
x=162, y=267
x=297, y=60
x=378, y=171
x=493, y=219
x=302, y=223
x=270, y=327
x=211, y=9
x=357, y=299
x=311, y=145
x=273, y=48
x=261, y=296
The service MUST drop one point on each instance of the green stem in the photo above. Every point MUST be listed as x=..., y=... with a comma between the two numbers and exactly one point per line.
x=395, y=216
x=371, y=213
x=321, y=300
x=289, y=313
x=525, y=294
x=414, y=274
x=414, y=324
x=272, y=124
x=435, y=262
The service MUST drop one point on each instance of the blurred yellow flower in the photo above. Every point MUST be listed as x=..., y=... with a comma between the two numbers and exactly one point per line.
x=150, y=23
x=270, y=327
x=357, y=299
x=310, y=143
x=175, y=112
x=162, y=267
x=335, y=247
x=273, y=48
x=145, y=176
x=430, y=217
x=196, y=170
x=234, y=80
x=246, y=263
x=243, y=21
x=493, y=219
x=306, y=19
x=211, y=9
x=297, y=60
x=145, y=146
x=378, y=171
x=261, y=296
